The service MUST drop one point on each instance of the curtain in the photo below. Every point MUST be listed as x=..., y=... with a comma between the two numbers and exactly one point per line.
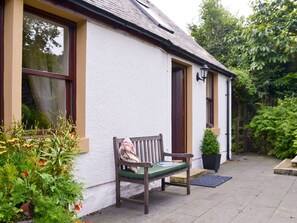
x=49, y=95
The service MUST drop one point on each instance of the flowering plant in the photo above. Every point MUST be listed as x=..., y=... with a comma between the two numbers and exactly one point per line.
x=38, y=168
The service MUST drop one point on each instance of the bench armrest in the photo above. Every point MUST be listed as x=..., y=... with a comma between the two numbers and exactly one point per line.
x=179, y=155
x=143, y=164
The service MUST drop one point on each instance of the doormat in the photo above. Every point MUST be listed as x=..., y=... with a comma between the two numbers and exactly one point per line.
x=209, y=180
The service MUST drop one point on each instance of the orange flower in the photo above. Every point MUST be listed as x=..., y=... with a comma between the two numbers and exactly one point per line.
x=25, y=173
x=73, y=135
x=78, y=206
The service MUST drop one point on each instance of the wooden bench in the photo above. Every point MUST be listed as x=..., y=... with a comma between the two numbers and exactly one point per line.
x=151, y=152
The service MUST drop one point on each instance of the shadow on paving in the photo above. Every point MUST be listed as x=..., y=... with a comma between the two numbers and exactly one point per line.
x=254, y=194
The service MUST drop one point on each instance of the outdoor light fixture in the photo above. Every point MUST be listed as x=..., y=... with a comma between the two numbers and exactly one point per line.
x=204, y=70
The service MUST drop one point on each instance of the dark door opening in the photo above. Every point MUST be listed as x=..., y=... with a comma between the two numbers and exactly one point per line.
x=178, y=109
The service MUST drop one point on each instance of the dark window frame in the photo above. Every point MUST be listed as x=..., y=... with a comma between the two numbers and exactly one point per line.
x=70, y=79
x=210, y=101
x=2, y=61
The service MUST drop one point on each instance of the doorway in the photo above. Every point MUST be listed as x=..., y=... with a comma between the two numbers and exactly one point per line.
x=179, y=108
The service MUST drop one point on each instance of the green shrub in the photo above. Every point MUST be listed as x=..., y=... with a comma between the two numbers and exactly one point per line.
x=275, y=129
x=210, y=144
x=38, y=168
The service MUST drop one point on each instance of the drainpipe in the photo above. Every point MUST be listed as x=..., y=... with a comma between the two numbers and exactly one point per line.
x=228, y=117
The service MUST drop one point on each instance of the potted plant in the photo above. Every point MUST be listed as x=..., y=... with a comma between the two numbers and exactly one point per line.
x=210, y=149
x=37, y=170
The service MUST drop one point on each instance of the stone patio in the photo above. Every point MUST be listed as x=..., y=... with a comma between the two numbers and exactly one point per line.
x=254, y=194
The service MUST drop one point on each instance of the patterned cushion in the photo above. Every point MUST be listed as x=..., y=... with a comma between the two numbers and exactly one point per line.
x=127, y=153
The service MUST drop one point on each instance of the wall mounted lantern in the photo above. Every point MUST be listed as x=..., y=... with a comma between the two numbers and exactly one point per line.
x=204, y=70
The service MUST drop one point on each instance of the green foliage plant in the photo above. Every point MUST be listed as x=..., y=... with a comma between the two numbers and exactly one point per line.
x=274, y=128
x=39, y=168
x=271, y=47
x=218, y=32
x=210, y=144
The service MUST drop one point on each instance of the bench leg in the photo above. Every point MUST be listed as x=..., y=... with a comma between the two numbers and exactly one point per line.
x=146, y=199
x=118, y=193
x=163, y=184
x=188, y=182
x=146, y=191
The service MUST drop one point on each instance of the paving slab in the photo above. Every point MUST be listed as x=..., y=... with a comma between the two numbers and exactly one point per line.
x=254, y=194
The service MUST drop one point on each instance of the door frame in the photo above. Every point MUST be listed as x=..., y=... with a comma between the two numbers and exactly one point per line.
x=2, y=61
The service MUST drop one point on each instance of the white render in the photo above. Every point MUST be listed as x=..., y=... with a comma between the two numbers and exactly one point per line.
x=222, y=113
x=129, y=94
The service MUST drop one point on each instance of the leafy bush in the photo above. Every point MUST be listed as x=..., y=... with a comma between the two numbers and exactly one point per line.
x=275, y=128
x=210, y=144
x=38, y=168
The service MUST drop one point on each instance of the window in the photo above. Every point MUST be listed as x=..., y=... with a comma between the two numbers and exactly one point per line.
x=1, y=61
x=152, y=15
x=48, y=80
x=210, y=100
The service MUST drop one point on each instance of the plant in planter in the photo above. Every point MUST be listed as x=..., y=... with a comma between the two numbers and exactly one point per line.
x=37, y=169
x=210, y=149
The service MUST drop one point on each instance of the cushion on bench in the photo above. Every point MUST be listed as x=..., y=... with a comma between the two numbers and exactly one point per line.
x=155, y=171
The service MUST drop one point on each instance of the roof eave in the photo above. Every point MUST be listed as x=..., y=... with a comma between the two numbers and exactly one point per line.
x=91, y=10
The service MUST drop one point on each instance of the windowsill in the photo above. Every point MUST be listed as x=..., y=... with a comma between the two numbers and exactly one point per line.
x=84, y=145
x=216, y=130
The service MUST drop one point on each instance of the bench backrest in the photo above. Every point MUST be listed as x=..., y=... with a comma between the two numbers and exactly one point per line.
x=148, y=148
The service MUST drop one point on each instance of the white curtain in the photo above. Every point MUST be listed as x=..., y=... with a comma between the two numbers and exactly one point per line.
x=49, y=95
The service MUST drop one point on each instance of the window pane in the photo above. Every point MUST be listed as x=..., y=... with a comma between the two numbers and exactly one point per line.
x=209, y=86
x=209, y=100
x=43, y=99
x=209, y=112
x=45, y=45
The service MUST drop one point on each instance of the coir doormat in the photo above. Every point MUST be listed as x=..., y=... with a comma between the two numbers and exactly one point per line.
x=209, y=180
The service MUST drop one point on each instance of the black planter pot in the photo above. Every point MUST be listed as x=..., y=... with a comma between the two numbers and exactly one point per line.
x=211, y=162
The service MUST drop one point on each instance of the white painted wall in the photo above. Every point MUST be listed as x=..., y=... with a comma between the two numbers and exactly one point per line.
x=129, y=94
x=199, y=116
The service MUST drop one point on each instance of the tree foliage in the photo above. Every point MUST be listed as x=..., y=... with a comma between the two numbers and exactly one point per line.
x=262, y=52
x=275, y=128
x=218, y=32
x=271, y=37
x=243, y=86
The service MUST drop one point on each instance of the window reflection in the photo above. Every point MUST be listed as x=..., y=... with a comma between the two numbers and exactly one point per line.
x=45, y=45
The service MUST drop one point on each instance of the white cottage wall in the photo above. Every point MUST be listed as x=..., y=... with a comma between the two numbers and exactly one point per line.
x=128, y=94
x=222, y=113
x=199, y=117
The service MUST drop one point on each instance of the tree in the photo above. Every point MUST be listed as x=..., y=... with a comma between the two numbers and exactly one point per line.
x=271, y=36
x=218, y=32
